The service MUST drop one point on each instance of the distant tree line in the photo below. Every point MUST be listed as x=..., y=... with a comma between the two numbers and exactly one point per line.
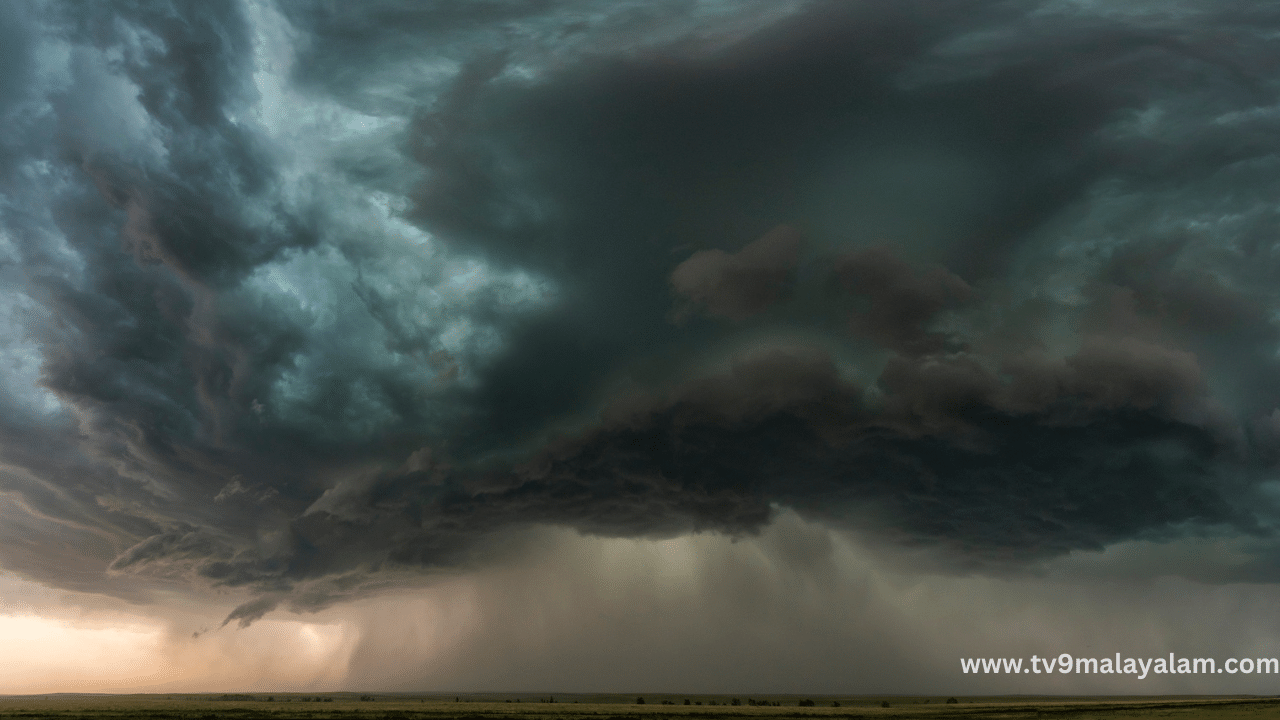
x=753, y=702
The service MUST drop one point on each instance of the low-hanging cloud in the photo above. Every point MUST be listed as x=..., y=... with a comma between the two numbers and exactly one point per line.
x=900, y=303
x=743, y=284
x=317, y=301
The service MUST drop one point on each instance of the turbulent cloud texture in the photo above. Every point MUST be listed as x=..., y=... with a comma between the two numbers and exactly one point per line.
x=315, y=300
x=743, y=284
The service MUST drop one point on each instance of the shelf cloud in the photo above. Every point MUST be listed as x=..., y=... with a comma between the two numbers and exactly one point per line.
x=315, y=301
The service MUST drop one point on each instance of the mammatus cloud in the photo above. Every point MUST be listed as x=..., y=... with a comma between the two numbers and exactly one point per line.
x=315, y=302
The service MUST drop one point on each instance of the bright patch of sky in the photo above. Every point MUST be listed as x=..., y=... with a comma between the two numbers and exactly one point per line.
x=378, y=295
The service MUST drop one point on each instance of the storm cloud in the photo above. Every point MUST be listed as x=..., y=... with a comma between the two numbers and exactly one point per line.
x=316, y=300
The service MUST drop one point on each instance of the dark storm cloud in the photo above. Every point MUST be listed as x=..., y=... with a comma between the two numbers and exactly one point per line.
x=302, y=299
x=608, y=171
x=1058, y=456
x=901, y=303
x=743, y=284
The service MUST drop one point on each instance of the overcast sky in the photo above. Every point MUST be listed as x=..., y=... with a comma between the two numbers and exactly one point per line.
x=657, y=346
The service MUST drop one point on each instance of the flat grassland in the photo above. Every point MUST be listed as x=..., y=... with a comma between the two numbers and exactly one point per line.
x=290, y=706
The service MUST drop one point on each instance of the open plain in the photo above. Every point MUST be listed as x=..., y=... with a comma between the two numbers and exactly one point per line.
x=288, y=706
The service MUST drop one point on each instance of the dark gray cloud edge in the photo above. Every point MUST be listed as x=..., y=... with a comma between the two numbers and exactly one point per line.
x=261, y=383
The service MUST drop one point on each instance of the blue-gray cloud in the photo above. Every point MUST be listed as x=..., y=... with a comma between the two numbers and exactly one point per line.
x=300, y=298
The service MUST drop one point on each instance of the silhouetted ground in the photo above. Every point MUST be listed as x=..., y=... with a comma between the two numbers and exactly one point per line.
x=287, y=706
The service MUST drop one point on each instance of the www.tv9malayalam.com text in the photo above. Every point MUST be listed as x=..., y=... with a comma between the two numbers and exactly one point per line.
x=1140, y=667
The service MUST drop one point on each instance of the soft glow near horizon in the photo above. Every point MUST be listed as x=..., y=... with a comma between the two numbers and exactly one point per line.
x=43, y=655
x=63, y=642
x=799, y=593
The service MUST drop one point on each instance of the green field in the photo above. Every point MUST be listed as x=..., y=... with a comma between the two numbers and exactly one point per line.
x=285, y=706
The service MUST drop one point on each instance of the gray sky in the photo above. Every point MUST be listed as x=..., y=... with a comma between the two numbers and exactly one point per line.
x=638, y=346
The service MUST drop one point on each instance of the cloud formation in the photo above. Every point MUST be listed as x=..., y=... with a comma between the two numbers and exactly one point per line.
x=743, y=284
x=900, y=302
x=317, y=301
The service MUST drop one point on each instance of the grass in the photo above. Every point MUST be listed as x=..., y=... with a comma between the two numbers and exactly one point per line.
x=319, y=706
